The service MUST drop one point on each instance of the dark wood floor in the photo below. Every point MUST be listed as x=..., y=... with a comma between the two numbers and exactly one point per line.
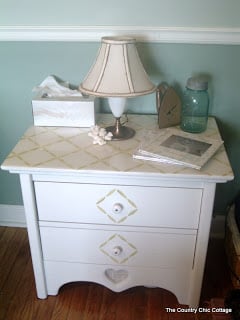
x=87, y=301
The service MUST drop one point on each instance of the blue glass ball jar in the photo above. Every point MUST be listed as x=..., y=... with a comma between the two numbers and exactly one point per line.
x=194, y=114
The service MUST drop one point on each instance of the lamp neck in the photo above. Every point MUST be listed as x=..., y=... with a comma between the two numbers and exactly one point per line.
x=117, y=105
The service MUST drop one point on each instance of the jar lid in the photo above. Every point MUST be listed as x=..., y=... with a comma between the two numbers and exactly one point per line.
x=196, y=83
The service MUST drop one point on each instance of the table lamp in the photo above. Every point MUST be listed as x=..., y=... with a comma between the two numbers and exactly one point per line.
x=117, y=74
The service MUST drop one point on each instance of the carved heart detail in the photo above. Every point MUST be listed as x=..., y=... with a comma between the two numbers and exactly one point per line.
x=116, y=276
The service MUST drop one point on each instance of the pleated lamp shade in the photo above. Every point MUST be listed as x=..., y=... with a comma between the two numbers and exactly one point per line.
x=117, y=71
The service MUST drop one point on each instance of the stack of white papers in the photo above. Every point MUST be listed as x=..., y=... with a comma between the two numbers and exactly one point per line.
x=173, y=146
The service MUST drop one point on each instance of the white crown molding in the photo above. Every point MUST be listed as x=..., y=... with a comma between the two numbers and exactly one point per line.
x=228, y=36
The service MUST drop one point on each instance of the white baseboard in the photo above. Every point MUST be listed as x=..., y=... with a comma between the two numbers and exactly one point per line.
x=12, y=216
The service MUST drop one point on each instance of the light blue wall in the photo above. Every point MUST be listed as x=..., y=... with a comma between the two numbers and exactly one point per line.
x=204, y=13
x=25, y=64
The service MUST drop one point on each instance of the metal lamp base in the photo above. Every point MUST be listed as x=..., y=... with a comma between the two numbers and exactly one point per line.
x=120, y=132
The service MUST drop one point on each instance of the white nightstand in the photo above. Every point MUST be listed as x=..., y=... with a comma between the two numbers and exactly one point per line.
x=95, y=214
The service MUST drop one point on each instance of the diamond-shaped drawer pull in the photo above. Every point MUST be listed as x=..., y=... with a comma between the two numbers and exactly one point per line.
x=116, y=205
x=117, y=250
x=117, y=208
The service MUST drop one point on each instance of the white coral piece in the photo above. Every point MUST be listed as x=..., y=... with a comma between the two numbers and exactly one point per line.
x=99, y=135
x=108, y=136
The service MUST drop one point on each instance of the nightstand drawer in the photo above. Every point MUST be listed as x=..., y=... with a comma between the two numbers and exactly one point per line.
x=120, y=205
x=118, y=248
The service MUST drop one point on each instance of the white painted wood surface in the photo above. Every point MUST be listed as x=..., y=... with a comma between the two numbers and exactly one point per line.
x=107, y=246
x=69, y=191
x=175, y=280
x=33, y=234
x=159, y=206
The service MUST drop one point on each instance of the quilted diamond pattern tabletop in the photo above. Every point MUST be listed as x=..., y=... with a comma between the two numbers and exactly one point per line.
x=71, y=150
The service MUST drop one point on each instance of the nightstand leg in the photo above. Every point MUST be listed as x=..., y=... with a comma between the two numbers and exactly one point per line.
x=202, y=244
x=33, y=234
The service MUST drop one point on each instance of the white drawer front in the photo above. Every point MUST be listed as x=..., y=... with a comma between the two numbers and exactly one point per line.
x=112, y=247
x=127, y=205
